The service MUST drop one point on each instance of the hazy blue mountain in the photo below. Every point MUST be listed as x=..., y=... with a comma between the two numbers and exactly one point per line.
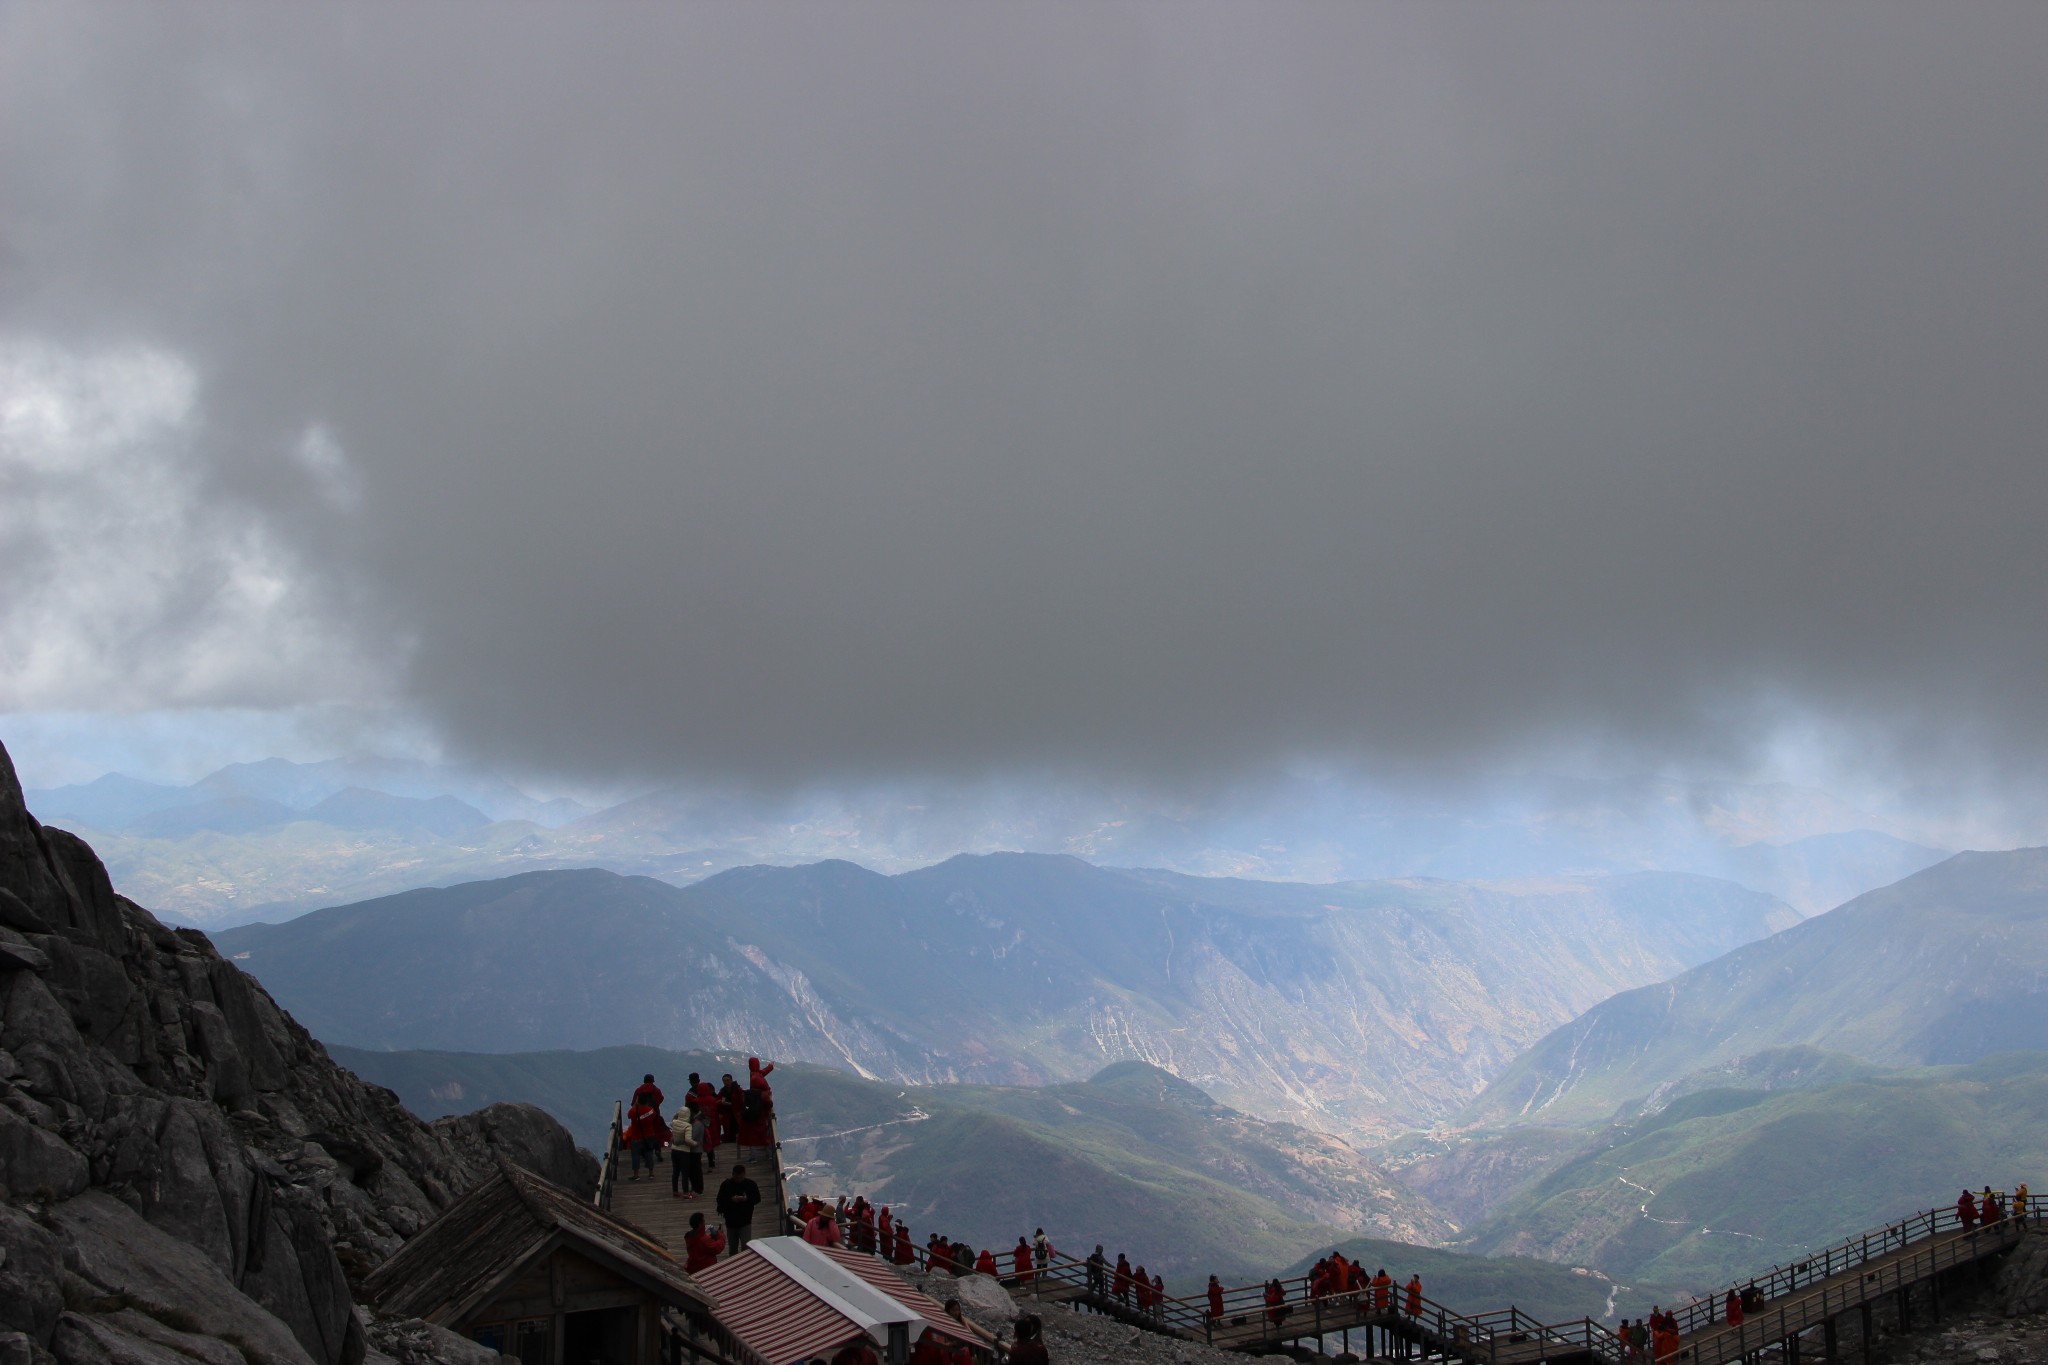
x=304, y=786
x=108, y=802
x=220, y=815
x=1359, y=1008
x=362, y=809
x=1805, y=847
x=1944, y=966
x=1822, y=871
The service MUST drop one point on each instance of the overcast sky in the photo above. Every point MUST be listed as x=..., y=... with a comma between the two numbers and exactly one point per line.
x=1156, y=391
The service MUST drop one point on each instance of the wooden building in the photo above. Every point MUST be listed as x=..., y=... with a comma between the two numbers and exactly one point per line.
x=525, y=1267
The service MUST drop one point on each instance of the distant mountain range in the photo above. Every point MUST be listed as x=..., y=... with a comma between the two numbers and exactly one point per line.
x=1357, y=1008
x=264, y=841
x=1949, y=965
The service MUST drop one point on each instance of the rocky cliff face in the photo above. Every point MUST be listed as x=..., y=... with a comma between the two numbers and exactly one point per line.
x=184, y=1174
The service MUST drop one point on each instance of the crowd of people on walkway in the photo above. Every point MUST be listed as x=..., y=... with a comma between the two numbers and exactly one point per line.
x=710, y=1117
x=1974, y=1210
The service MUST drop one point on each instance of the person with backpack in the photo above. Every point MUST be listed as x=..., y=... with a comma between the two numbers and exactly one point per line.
x=730, y=1098
x=686, y=1155
x=645, y=1132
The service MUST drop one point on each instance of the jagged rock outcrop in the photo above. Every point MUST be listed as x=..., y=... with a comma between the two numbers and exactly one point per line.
x=2022, y=1285
x=184, y=1173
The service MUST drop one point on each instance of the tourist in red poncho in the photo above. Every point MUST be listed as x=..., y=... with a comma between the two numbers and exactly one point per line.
x=985, y=1264
x=1732, y=1308
x=1966, y=1209
x=1144, y=1290
x=1020, y=1260
x=714, y=1123
x=648, y=1093
x=1120, y=1282
x=1382, y=1290
x=906, y=1254
x=1415, y=1296
x=1215, y=1299
x=756, y=1106
x=1276, y=1303
x=702, y=1246
x=820, y=1229
x=644, y=1136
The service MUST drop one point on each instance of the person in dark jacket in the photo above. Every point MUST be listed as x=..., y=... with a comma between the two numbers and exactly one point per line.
x=1029, y=1347
x=738, y=1197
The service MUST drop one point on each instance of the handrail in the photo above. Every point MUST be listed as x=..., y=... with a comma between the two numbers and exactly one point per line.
x=1845, y=1255
x=608, y=1167
x=1479, y=1336
x=781, y=1191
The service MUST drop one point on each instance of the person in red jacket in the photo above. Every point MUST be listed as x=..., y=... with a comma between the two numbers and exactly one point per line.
x=708, y=1105
x=1120, y=1282
x=702, y=1246
x=906, y=1254
x=985, y=1264
x=1415, y=1296
x=1020, y=1261
x=1732, y=1308
x=1276, y=1303
x=1143, y=1286
x=1215, y=1299
x=821, y=1229
x=1966, y=1209
x=648, y=1093
x=1382, y=1290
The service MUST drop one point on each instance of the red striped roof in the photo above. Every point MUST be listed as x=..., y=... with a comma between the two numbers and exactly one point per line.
x=781, y=1319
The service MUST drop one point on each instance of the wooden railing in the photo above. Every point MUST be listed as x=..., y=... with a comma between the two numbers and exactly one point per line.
x=1510, y=1334
x=608, y=1166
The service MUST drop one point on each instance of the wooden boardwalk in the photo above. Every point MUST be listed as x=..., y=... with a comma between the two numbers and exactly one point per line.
x=647, y=1204
x=1866, y=1275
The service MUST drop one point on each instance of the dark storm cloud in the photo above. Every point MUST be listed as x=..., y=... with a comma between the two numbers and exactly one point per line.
x=873, y=388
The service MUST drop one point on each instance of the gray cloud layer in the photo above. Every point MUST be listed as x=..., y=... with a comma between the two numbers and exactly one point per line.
x=876, y=388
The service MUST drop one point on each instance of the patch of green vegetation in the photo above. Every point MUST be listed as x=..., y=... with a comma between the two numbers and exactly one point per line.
x=1725, y=1183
